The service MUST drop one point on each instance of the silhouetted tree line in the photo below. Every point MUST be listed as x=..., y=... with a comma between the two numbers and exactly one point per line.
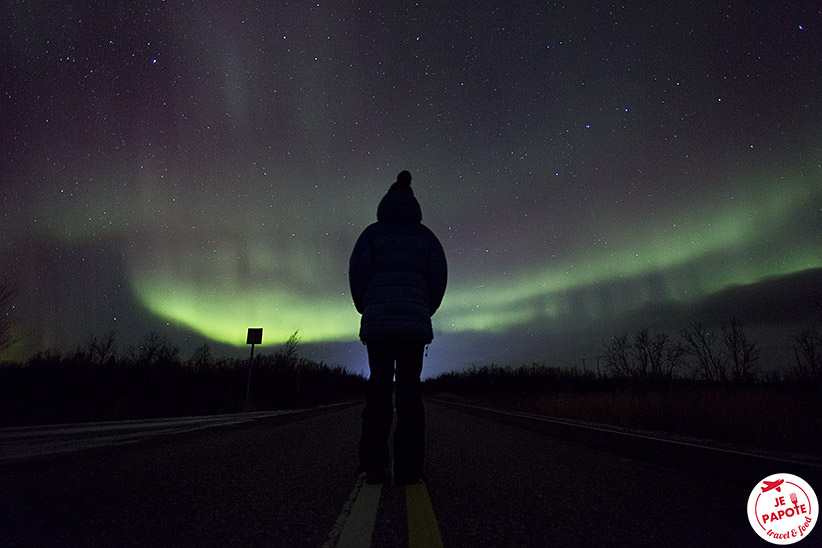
x=725, y=356
x=96, y=382
x=494, y=381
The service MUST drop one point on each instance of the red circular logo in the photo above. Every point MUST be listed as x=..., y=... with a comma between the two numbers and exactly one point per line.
x=783, y=509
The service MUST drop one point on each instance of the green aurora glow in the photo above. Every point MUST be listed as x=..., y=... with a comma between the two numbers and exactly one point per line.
x=709, y=249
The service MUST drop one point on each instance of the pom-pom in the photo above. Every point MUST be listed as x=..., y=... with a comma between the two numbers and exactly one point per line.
x=404, y=178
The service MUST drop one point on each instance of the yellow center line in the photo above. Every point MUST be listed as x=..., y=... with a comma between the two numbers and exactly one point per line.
x=423, y=530
x=355, y=526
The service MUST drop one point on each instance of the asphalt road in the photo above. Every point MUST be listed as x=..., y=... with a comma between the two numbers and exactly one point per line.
x=285, y=481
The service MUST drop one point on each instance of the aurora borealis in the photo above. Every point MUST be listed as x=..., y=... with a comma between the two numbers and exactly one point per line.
x=200, y=168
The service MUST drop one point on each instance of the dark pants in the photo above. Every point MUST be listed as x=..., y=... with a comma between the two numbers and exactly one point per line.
x=409, y=436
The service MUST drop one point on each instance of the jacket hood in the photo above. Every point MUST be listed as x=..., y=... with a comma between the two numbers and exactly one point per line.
x=399, y=206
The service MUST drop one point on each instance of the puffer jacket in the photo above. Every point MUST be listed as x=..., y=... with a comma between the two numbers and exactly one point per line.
x=397, y=272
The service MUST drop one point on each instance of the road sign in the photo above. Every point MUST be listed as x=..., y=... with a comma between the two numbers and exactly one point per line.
x=255, y=335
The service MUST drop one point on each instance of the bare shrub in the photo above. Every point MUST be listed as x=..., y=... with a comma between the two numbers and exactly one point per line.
x=807, y=350
x=290, y=349
x=743, y=355
x=101, y=350
x=617, y=356
x=699, y=342
x=648, y=357
x=201, y=359
x=155, y=349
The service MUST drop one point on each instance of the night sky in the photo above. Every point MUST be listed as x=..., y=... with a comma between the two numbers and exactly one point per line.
x=198, y=168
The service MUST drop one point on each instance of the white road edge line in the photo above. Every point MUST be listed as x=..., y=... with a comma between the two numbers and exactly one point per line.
x=605, y=429
x=25, y=442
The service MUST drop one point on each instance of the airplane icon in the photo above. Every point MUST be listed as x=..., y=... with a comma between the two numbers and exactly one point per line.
x=773, y=485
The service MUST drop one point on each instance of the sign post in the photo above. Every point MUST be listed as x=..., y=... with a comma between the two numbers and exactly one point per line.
x=255, y=336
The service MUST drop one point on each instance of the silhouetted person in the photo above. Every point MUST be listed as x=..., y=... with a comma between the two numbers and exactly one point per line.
x=397, y=274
